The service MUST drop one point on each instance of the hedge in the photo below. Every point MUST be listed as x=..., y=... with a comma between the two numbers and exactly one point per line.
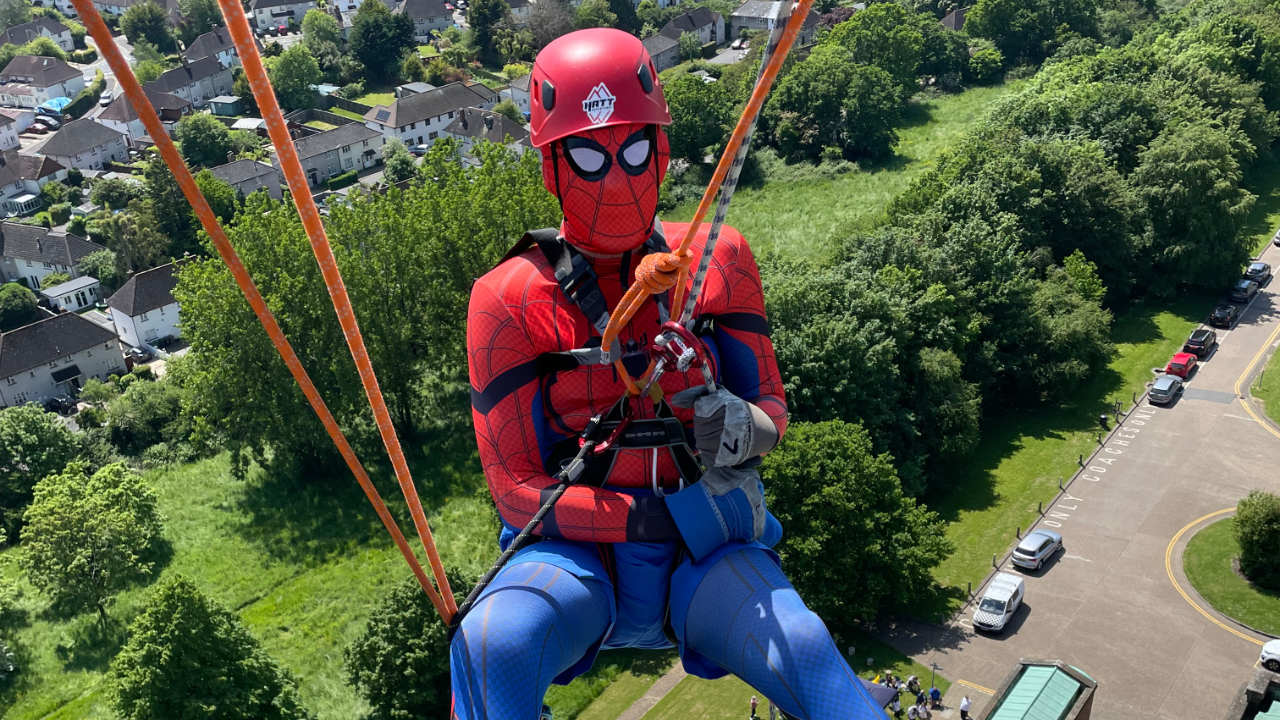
x=338, y=182
x=87, y=98
x=84, y=57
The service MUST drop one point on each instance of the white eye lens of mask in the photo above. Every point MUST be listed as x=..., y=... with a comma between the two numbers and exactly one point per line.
x=587, y=159
x=636, y=153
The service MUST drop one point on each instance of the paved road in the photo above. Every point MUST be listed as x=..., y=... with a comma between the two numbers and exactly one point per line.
x=91, y=69
x=1107, y=604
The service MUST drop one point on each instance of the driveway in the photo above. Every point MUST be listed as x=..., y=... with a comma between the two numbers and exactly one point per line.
x=1108, y=604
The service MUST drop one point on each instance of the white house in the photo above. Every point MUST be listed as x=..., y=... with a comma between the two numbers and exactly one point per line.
x=22, y=177
x=333, y=152
x=86, y=144
x=521, y=11
x=273, y=13
x=21, y=117
x=195, y=80
x=8, y=133
x=420, y=119
x=707, y=25
x=474, y=124
x=119, y=7
x=29, y=252
x=518, y=93
x=121, y=116
x=75, y=294
x=144, y=310
x=216, y=43
x=248, y=176
x=53, y=357
x=756, y=15
x=63, y=6
x=427, y=16
x=664, y=51
x=31, y=80
x=39, y=27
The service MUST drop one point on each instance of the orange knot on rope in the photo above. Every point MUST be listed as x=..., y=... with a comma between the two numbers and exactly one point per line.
x=659, y=272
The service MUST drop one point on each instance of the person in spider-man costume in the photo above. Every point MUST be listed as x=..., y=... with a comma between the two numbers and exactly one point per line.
x=644, y=555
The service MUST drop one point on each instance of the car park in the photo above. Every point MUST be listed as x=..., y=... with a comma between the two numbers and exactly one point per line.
x=1270, y=658
x=1224, y=315
x=1243, y=291
x=1181, y=364
x=1258, y=272
x=1201, y=342
x=1165, y=390
x=1001, y=600
x=1036, y=548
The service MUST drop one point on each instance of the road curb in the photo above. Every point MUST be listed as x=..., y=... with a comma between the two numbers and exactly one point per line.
x=1179, y=548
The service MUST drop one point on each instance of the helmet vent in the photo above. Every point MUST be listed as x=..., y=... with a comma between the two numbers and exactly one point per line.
x=646, y=80
x=548, y=95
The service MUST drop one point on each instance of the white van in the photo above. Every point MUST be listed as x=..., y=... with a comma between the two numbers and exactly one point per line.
x=998, y=604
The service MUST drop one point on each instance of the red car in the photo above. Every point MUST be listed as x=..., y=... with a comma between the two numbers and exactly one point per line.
x=1181, y=364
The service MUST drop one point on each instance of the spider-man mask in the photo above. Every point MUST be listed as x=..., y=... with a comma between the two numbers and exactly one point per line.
x=607, y=182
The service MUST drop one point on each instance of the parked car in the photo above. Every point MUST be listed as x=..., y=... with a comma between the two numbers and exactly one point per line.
x=419, y=150
x=1181, y=364
x=61, y=404
x=1165, y=390
x=138, y=354
x=282, y=30
x=1258, y=272
x=49, y=122
x=1270, y=658
x=1224, y=315
x=998, y=604
x=1201, y=342
x=105, y=99
x=1036, y=549
x=37, y=128
x=1243, y=291
x=164, y=343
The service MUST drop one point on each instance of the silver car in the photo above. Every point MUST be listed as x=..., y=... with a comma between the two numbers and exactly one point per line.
x=1036, y=548
x=1165, y=389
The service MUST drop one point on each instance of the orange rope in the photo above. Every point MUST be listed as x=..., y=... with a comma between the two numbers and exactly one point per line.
x=142, y=105
x=256, y=74
x=659, y=272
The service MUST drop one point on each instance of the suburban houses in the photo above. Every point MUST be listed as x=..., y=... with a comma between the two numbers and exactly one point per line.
x=333, y=152
x=86, y=144
x=54, y=356
x=39, y=27
x=32, y=80
x=472, y=124
x=195, y=80
x=73, y=295
x=8, y=133
x=247, y=176
x=421, y=118
x=707, y=25
x=216, y=44
x=29, y=252
x=274, y=13
x=143, y=309
x=757, y=14
x=428, y=16
x=22, y=177
x=121, y=116
x=518, y=93
x=663, y=50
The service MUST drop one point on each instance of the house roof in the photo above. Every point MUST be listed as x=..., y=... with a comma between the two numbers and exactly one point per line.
x=192, y=71
x=145, y=291
x=15, y=166
x=486, y=125
x=78, y=136
x=6, y=120
x=522, y=82
x=689, y=22
x=764, y=9
x=239, y=171
x=40, y=244
x=121, y=110
x=423, y=9
x=419, y=107
x=28, y=31
x=331, y=140
x=43, y=71
x=264, y=4
x=658, y=44
x=211, y=43
x=417, y=87
x=70, y=286
x=1041, y=692
x=47, y=340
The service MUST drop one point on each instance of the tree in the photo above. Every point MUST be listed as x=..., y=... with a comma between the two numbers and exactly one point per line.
x=17, y=306
x=379, y=39
x=205, y=141
x=397, y=161
x=320, y=30
x=145, y=414
x=240, y=88
x=628, y=20
x=44, y=46
x=52, y=279
x=870, y=113
x=852, y=543
x=984, y=66
x=412, y=69
x=701, y=115
x=189, y=657
x=220, y=196
x=172, y=214
x=199, y=17
x=484, y=16
x=888, y=36
x=135, y=240
x=400, y=663
x=34, y=443
x=148, y=21
x=549, y=20
x=98, y=393
x=101, y=264
x=87, y=537
x=54, y=192
x=294, y=75
x=14, y=12
x=1028, y=30
x=595, y=13
x=690, y=47
x=1084, y=276
x=115, y=193
x=1257, y=526
x=508, y=109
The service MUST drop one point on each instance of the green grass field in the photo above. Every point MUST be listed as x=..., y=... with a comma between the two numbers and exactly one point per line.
x=1021, y=455
x=346, y=113
x=384, y=97
x=1267, y=388
x=804, y=217
x=427, y=51
x=320, y=125
x=1207, y=562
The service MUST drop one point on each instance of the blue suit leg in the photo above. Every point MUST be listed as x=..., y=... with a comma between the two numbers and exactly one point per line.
x=534, y=622
x=745, y=618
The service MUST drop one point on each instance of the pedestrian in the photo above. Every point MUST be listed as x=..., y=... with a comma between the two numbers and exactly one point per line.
x=754, y=703
x=935, y=698
x=965, y=704
x=896, y=706
x=924, y=712
x=913, y=712
x=913, y=685
x=920, y=698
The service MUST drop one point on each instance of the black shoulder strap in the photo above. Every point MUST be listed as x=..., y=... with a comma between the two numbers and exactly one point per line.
x=528, y=240
x=576, y=278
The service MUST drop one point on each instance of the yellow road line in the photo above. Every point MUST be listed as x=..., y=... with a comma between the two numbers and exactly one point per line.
x=1244, y=403
x=976, y=686
x=1168, y=569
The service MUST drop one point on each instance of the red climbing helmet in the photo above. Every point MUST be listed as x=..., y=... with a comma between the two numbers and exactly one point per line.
x=592, y=79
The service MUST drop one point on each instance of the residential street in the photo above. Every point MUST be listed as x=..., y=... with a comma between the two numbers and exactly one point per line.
x=1108, y=604
x=101, y=64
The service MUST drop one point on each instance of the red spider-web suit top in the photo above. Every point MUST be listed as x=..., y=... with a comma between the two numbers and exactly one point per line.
x=518, y=312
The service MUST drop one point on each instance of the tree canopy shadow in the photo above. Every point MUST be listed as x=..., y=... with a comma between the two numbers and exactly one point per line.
x=13, y=684
x=1263, y=181
x=88, y=644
